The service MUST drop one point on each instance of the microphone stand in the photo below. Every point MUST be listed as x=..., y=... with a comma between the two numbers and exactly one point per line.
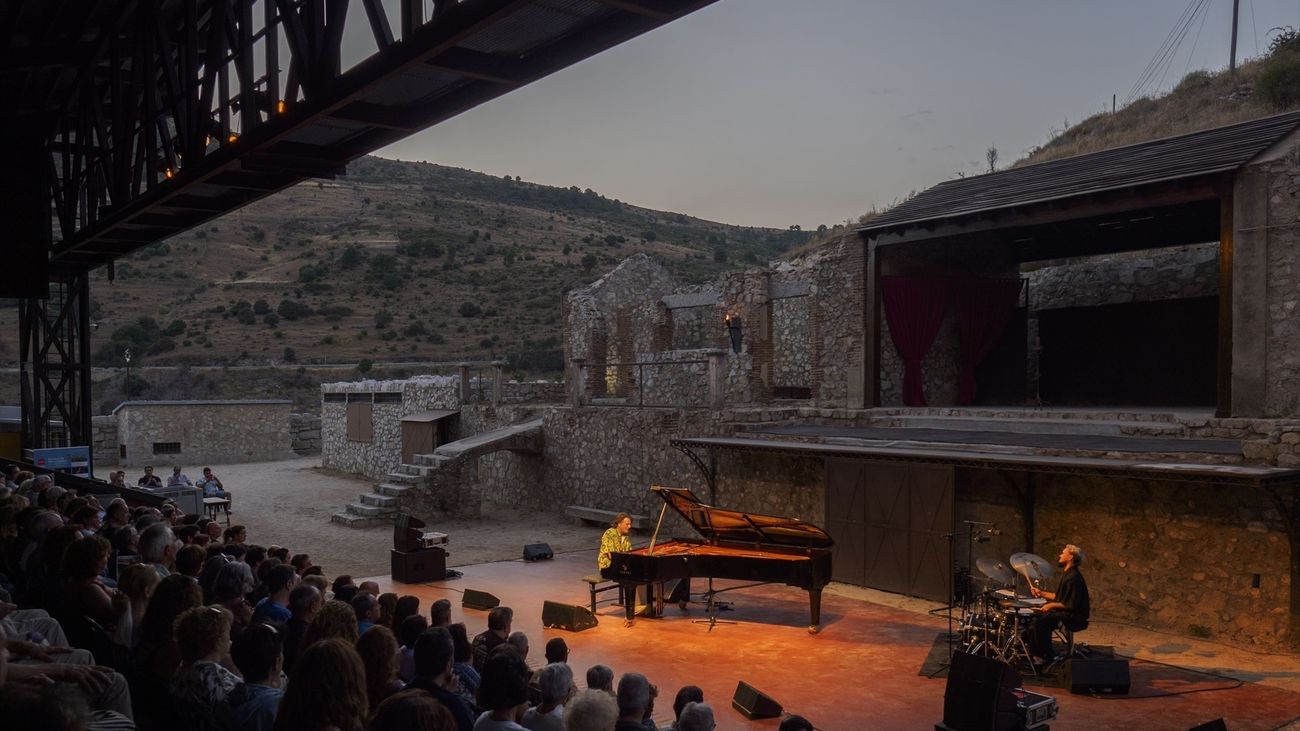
x=970, y=534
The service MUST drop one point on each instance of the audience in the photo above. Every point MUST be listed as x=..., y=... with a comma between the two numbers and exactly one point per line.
x=557, y=650
x=433, y=658
x=138, y=583
x=304, y=602
x=387, y=607
x=633, y=699
x=503, y=693
x=591, y=710
x=695, y=717
x=367, y=610
x=280, y=581
x=203, y=636
x=412, y=710
x=328, y=689
x=84, y=593
x=498, y=629
x=600, y=677
x=258, y=655
x=235, y=535
x=410, y=630
x=158, y=547
x=795, y=723
x=378, y=650
x=440, y=613
x=556, y=683
x=334, y=620
x=463, y=662
x=687, y=694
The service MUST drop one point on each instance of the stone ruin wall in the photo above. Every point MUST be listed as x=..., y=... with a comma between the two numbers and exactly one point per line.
x=1280, y=235
x=792, y=342
x=208, y=432
x=383, y=454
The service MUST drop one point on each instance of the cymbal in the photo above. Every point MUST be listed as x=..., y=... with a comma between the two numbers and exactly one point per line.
x=1035, y=568
x=996, y=570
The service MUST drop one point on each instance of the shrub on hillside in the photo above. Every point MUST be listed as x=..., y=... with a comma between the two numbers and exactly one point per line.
x=469, y=309
x=293, y=310
x=1279, y=78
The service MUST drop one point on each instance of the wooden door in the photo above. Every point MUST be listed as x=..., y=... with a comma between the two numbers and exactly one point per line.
x=417, y=438
x=846, y=515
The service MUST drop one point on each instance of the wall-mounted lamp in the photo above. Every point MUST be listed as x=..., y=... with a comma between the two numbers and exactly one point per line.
x=733, y=329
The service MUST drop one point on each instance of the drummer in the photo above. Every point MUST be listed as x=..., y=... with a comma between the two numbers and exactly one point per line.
x=1068, y=605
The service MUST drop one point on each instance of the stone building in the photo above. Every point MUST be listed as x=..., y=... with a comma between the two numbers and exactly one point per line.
x=202, y=432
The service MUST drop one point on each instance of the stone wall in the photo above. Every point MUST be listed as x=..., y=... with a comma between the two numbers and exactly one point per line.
x=792, y=337
x=383, y=453
x=304, y=432
x=103, y=430
x=533, y=392
x=206, y=432
x=1178, y=272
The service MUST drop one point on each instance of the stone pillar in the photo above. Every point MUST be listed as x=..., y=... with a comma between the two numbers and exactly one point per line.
x=717, y=378
x=496, y=384
x=577, y=381
x=1250, y=274
x=465, y=392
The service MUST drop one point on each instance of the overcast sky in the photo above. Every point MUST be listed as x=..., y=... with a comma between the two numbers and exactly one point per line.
x=772, y=112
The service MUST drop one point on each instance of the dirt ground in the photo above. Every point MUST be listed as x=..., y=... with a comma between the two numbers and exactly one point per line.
x=289, y=503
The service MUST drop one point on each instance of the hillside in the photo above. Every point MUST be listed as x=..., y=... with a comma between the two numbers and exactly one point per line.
x=397, y=260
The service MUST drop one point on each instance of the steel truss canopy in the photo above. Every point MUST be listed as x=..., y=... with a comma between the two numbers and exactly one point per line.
x=158, y=115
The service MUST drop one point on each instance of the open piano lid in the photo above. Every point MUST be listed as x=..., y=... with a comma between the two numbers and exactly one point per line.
x=717, y=524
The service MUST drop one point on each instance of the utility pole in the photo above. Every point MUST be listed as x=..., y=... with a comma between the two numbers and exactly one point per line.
x=1232, y=60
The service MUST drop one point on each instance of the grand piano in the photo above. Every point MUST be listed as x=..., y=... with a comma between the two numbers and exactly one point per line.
x=735, y=545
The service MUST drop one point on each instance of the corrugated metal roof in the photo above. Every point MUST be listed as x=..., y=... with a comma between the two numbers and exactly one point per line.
x=1211, y=151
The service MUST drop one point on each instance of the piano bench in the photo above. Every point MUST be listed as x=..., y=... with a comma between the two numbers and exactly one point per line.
x=597, y=584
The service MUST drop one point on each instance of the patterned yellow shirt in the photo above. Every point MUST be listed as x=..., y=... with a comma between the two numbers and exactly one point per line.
x=611, y=541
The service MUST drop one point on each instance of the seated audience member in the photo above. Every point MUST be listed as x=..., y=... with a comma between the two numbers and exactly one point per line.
x=367, y=609
x=255, y=557
x=216, y=560
x=210, y=485
x=687, y=694
x=185, y=534
x=412, y=710
x=105, y=689
x=370, y=587
x=407, y=634
x=300, y=562
x=796, y=723
x=189, y=560
x=433, y=657
x=328, y=690
x=138, y=583
x=556, y=683
x=304, y=601
x=156, y=651
x=503, y=693
x=498, y=629
x=334, y=620
x=519, y=641
x=463, y=661
x=179, y=479
x=314, y=577
x=172, y=515
x=126, y=542
x=406, y=605
x=87, y=517
x=203, y=636
x=696, y=717
x=84, y=593
x=387, y=605
x=279, y=552
x=234, y=580
x=158, y=547
x=378, y=651
x=149, y=479
x=557, y=650
x=440, y=613
x=235, y=551
x=213, y=531
x=633, y=698
x=257, y=654
x=339, y=582
x=116, y=515
x=590, y=710
x=600, y=677
x=235, y=535
x=280, y=581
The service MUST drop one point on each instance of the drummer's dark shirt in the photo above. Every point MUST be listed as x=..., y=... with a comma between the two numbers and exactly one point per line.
x=1073, y=593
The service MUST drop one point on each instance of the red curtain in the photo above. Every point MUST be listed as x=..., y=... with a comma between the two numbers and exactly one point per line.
x=914, y=308
x=983, y=308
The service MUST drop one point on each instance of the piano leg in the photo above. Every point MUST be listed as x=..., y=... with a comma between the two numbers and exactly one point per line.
x=815, y=605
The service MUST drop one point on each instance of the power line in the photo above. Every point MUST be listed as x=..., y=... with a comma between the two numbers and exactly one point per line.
x=1195, y=41
x=1159, y=63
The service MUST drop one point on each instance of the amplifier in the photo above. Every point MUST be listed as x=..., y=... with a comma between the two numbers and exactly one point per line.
x=418, y=567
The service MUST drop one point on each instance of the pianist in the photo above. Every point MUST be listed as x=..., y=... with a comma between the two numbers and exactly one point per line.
x=615, y=540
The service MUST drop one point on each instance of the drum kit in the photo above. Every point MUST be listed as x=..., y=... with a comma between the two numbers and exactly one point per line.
x=996, y=621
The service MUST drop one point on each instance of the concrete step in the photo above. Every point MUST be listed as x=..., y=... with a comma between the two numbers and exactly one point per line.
x=379, y=501
x=415, y=470
x=370, y=511
x=402, y=478
x=431, y=460
x=388, y=489
x=359, y=521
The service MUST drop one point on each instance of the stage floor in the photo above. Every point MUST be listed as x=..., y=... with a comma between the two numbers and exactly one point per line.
x=862, y=671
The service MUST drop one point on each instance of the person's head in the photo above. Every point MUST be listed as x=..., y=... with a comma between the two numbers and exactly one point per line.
x=795, y=723
x=203, y=633
x=257, y=654
x=590, y=710
x=87, y=516
x=117, y=514
x=328, y=689
x=233, y=581
x=84, y=559
x=207, y=473
x=300, y=562
x=387, y=605
x=687, y=694
x=171, y=598
x=696, y=717
x=405, y=606
x=633, y=696
x=370, y=587
x=346, y=593
x=412, y=710
x=440, y=613
x=126, y=540
x=556, y=683
x=316, y=580
x=185, y=533
x=235, y=534
x=279, y=552
x=157, y=544
x=138, y=581
x=235, y=551
x=334, y=620
x=176, y=471
x=411, y=629
x=213, y=529
x=462, y=648
x=1071, y=555
x=304, y=600
x=148, y=470
x=378, y=650
x=40, y=707
x=341, y=581
x=557, y=650
x=499, y=620
x=366, y=607
x=504, y=682
x=189, y=560
x=281, y=579
x=254, y=555
x=519, y=641
x=623, y=522
x=601, y=677
x=433, y=653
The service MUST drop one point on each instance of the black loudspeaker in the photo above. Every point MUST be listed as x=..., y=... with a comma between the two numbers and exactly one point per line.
x=475, y=599
x=538, y=552
x=979, y=695
x=754, y=703
x=567, y=616
x=1215, y=725
x=417, y=567
x=1098, y=677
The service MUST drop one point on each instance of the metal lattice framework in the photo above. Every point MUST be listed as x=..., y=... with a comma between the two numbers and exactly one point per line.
x=157, y=115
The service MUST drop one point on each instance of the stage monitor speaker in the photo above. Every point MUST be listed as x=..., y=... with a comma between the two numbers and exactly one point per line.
x=1097, y=677
x=754, y=703
x=538, y=552
x=979, y=695
x=417, y=567
x=567, y=616
x=1215, y=725
x=475, y=599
